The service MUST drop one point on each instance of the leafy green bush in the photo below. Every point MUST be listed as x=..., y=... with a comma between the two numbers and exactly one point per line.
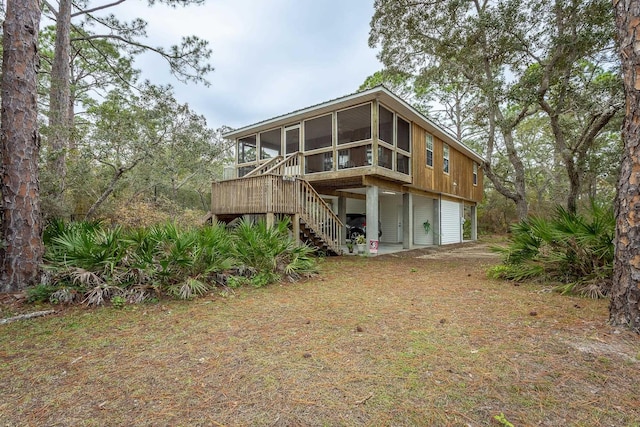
x=105, y=262
x=572, y=249
x=270, y=251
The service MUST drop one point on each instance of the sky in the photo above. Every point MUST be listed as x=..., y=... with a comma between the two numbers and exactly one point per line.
x=271, y=57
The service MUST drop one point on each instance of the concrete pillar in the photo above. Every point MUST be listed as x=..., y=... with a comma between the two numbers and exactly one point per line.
x=372, y=213
x=342, y=216
x=271, y=219
x=407, y=221
x=474, y=222
x=435, y=227
x=296, y=228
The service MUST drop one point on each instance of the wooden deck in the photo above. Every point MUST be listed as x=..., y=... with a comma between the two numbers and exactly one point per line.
x=254, y=195
x=280, y=195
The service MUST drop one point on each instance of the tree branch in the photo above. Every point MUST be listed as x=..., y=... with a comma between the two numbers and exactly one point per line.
x=51, y=8
x=104, y=6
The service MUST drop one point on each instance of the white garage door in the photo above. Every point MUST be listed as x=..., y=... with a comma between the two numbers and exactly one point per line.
x=451, y=222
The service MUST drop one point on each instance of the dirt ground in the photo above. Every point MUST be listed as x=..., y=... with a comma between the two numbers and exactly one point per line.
x=419, y=338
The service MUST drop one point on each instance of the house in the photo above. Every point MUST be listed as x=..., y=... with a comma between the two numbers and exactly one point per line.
x=367, y=153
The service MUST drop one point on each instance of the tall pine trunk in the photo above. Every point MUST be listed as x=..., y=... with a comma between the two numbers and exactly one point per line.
x=21, y=249
x=59, y=108
x=624, y=308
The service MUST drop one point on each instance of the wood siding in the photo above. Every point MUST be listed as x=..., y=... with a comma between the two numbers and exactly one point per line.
x=458, y=182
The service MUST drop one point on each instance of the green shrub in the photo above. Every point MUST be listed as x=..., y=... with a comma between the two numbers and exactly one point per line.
x=259, y=249
x=105, y=263
x=572, y=249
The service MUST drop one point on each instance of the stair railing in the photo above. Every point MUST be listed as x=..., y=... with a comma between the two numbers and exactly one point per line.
x=260, y=169
x=289, y=166
x=318, y=215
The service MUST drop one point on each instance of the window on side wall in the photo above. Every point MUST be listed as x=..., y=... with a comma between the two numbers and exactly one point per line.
x=475, y=173
x=385, y=126
x=429, y=150
x=445, y=158
x=402, y=164
x=404, y=135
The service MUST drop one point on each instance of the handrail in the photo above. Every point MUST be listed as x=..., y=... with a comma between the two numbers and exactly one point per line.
x=291, y=161
x=259, y=170
x=315, y=212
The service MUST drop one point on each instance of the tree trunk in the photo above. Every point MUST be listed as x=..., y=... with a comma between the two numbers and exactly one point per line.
x=522, y=206
x=574, y=184
x=624, y=308
x=59, y=95
x=21, y=249
x=106, y=193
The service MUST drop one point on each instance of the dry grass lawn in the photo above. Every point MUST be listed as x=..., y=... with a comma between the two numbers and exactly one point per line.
x=416, y=339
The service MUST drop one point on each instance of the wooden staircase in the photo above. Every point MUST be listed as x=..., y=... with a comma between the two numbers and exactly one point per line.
x=277, y=188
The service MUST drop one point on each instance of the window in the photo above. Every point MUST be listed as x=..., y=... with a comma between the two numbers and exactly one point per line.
x=292, y=139
x=354, y=157
x=402, y=164
x=385, y=158
x=475, y=173
x=429, y=150
x=385, y=126
x=318, y=162
x=270, y=144
x=247, y=149
x=317, y=133
x=403, y=138
x=354, y=124
x=445, y=158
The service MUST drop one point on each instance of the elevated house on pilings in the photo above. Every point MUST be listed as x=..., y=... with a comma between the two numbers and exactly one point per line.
x=367, y=153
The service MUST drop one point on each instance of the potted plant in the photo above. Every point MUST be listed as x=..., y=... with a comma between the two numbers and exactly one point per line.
x=361, y=242
x=350, y=246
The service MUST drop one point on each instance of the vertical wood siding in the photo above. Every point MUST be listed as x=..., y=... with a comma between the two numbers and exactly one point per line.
x=434, y=179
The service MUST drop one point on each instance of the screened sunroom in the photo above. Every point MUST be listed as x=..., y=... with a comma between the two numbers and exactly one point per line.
x=341, y=142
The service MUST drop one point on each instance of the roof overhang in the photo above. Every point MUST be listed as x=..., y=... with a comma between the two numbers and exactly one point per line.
x=380, y=93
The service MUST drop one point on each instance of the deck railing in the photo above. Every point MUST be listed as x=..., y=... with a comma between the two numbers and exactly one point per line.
x=278, y=194
x=315, y=212
x=254, y=195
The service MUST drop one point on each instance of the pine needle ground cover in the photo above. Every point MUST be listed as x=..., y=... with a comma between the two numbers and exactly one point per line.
x=417, y=338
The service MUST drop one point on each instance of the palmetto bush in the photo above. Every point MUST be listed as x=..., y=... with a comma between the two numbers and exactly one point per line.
x=94, y=263
x=266, y=254
x=575, y=250
x=86, y=258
